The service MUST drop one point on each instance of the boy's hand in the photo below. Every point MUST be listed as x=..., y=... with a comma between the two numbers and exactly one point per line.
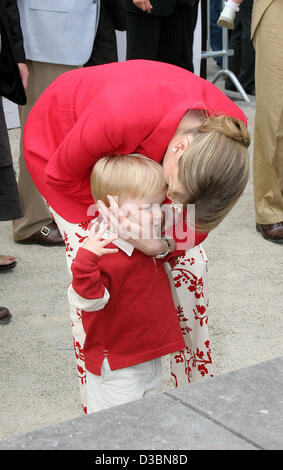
x=95, y=244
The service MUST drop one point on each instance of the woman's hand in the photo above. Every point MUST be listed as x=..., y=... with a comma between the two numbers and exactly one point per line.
x=24, y=73
x=130, y=230
x=116, y=218
x=152, y=246
x=95, y=244
x=144, y=5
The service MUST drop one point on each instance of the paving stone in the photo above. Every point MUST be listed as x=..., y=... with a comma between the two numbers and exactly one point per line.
x=237, y=411
x=247, y=401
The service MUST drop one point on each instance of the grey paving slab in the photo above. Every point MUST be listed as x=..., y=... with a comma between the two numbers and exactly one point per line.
x=247, y=401
x=240, y=410
x=155, y=423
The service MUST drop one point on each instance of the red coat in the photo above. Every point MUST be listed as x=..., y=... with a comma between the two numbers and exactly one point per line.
x=122, y=107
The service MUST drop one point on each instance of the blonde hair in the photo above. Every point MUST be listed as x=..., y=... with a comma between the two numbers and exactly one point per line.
x=131, y=176
x=214, y=170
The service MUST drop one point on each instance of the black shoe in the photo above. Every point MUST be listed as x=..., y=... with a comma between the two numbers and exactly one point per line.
x=5, y=316
x=231, y=87
x=271, y=232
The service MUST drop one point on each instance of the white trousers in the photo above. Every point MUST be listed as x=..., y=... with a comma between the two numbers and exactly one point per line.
x=116, y=387
x=189, y=286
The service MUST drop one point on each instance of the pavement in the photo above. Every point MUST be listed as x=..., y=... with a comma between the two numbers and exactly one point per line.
x=240, y=410
x=39, y=386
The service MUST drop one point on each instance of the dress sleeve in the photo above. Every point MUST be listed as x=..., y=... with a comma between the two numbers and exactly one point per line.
x=184, y=236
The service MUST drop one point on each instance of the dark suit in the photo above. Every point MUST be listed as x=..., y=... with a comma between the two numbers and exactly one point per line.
x=112, y=16
x=166, y=34
x=12, y=88
x=12, y=52
x=160, y=7
x=242, y=63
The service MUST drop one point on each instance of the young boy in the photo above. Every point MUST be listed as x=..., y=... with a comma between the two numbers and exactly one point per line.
x=128, y=313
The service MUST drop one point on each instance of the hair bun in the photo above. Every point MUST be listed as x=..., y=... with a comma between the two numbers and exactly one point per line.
x=230, y=127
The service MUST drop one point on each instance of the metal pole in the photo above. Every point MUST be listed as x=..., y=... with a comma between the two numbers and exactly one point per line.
x=225, y=52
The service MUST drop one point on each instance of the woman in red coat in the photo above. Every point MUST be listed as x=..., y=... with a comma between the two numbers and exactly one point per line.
x=170, y=115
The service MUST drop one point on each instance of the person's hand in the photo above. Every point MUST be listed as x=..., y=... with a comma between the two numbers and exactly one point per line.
x=144, y=5
x=115, y=216
x=130, y=230
x=96, y=245
x=24, y=73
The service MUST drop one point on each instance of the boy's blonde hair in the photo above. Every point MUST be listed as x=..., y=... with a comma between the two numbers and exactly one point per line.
x=131, y=176
x=214, y=170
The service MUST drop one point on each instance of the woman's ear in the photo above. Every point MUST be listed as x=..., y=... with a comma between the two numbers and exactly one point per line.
x=180, y=145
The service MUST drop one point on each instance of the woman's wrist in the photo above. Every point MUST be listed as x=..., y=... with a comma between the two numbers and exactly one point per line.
x=168, y=248
x=154, y=246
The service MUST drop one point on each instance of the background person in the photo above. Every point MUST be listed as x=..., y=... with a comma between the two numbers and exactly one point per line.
x=13, y=82
x=267, y=36
x=112, y=17
x=58, y=36
x=242, y=62
x=162, y=30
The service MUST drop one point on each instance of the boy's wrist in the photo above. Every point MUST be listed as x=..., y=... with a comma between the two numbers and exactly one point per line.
x=87, y=245
x=88, y=257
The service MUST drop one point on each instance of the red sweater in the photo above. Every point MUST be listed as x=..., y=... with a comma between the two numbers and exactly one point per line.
x=122, y=107
x=139, y=322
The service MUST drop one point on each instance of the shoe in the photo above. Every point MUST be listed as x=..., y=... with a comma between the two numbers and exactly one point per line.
x=48, y=235
x=271, y=232
x=5, y=316
x=4, y=267
x=226, y=18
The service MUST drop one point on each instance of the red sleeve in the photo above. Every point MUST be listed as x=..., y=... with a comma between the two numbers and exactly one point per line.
x=199, y=238
x=88, y=281
x=184, y=236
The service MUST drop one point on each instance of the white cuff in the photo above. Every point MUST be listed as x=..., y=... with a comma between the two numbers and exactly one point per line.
x=88, y=305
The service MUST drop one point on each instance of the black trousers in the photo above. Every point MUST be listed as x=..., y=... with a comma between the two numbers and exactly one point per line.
x=10, y=206
x=242, y=63
x=163, y=38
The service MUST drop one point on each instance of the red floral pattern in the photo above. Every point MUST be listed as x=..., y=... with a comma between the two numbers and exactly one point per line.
x=188, y=276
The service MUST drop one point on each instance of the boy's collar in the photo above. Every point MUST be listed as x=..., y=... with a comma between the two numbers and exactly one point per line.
x=120, y=243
